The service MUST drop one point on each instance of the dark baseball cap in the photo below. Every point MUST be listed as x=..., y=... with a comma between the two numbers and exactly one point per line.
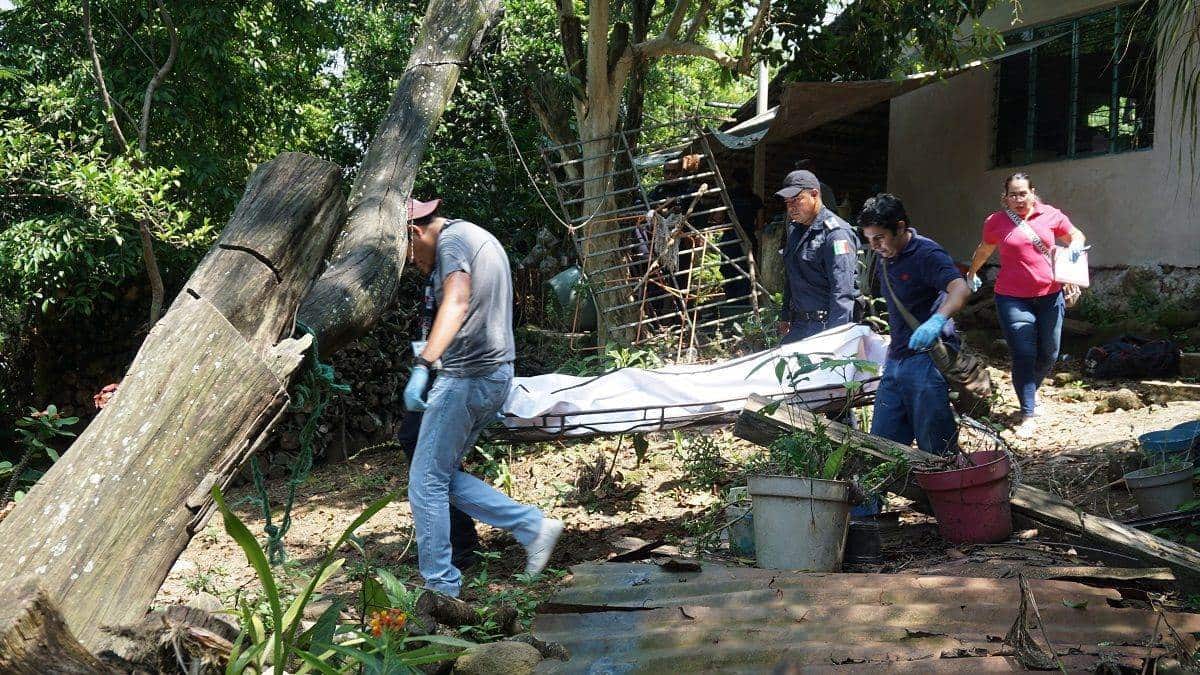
x=797, y=181
x=418, y=209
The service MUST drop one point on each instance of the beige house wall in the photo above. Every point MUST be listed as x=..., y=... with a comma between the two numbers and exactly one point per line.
x=1137, y=208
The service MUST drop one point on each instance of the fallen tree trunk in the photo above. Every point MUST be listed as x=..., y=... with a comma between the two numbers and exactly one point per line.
x=35, y=640
x=364, y=270
x=1036, y=506
x=102, y=528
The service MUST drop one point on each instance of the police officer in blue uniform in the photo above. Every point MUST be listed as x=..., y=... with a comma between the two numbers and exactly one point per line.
x=820, y=262
x=913, y=399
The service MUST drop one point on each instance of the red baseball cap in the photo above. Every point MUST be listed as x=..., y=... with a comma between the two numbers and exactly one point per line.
x=418, y=209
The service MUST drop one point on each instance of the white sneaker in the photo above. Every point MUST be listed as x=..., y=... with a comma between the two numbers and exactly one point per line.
x=537, y=553
x=1026, y=429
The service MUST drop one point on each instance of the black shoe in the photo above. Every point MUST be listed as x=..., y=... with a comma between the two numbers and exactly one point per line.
x=465, y=561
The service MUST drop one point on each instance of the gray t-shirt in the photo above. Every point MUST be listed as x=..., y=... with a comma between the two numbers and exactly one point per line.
x=485, y=340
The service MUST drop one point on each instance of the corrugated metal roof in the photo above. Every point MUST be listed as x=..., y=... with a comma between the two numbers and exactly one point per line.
x=618, y=618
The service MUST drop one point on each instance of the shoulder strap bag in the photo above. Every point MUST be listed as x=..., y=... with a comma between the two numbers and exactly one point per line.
x=1072, y=280
x=967, y=376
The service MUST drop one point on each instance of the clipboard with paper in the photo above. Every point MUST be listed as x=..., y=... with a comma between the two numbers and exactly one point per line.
x=1068, y=272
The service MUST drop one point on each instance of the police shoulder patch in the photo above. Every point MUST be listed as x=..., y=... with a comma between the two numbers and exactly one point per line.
x=831, y=223
x=842, y=247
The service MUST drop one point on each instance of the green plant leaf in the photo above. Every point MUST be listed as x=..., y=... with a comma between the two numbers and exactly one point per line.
x=1075, y=604
x=254, y=555
x=374, y=597
x=315, y=662
x=833, y=463
x=289, y=627
x=445, y=640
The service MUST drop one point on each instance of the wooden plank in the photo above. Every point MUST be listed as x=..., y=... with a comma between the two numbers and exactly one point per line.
x=1156, y=577
x=1037, y=506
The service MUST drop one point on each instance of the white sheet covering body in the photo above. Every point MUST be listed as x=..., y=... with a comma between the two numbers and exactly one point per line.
x=636, y=400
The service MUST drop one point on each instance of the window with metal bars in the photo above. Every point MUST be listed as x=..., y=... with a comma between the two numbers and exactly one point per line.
x=1088, y=91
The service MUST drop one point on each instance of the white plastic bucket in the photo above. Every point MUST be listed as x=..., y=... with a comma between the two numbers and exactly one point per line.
x=800, y=523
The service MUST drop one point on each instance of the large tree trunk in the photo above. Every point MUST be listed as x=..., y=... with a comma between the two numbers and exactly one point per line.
x=103, y=527
x=364, y=272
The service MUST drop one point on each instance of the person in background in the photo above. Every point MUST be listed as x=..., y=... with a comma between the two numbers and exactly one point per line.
x=820, y=262
x=913, y=399
x=1028, y=300
x=472, y=339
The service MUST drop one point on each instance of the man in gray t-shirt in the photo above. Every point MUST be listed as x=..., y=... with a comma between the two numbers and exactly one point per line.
x=485, y=340
x=472, y=338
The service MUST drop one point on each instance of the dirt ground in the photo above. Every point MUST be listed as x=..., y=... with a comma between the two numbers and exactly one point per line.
x=1076, y=453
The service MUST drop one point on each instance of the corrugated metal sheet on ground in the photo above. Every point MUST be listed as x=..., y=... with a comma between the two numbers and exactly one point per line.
x=623, y=618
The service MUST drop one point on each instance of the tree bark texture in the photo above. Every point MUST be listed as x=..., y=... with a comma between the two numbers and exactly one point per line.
x=35, y=640
x=103, y=527
x=364, y=272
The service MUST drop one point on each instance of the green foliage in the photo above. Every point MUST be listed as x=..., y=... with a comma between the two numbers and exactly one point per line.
x=702, y=459
x=613, y=357
x=35, y=433
x=72, y=212
x=284, y=640
x=524, y=597
x=874, y=40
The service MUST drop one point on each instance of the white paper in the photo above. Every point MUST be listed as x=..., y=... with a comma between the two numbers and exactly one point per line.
x=1067, y=272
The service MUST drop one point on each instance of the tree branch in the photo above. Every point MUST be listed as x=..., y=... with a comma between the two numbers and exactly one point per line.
x=756, y=28
x=671, y=31
x=571, y=34
x=158, y=78
x=151, y=262
x=698, y=21
x=98, y=73
x=660, y=47
x=556, y=126
x=618, y=46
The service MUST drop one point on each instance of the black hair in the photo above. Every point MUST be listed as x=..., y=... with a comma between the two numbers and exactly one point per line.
x=1020, y=175
x=883, y=210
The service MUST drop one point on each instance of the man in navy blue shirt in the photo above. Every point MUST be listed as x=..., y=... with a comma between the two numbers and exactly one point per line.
x=913, y=400
x=820, y=262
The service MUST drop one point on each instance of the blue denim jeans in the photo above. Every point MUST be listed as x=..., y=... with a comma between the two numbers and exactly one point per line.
x=459, y=409
x=913, y=401
x=1033, y=328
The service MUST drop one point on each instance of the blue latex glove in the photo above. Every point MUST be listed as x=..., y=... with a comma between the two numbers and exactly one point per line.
x=974, y=282
x=927, y=333
x=414, y=391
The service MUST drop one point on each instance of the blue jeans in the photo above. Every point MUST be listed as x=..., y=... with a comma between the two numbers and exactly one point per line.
x=459, y=409
x=913, y=401
x=1033, y=328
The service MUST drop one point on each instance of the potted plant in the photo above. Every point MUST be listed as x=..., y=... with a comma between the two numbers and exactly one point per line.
x=802, y=490
x=1161, y=488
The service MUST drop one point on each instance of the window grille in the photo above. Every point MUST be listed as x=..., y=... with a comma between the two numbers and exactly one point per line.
x=1089, y=91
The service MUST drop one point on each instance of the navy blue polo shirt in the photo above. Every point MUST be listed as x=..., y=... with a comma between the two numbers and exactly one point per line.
x=919, y=276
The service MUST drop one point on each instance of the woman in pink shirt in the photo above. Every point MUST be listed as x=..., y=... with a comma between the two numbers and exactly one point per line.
x=1028, y=300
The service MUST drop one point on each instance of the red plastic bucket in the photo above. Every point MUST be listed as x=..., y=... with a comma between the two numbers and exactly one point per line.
x=971, y=504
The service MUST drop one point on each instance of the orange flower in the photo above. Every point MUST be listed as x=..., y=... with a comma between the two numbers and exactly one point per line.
x=388, y=620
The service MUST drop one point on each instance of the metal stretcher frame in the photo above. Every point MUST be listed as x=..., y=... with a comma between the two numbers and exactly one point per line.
x=559, y=426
